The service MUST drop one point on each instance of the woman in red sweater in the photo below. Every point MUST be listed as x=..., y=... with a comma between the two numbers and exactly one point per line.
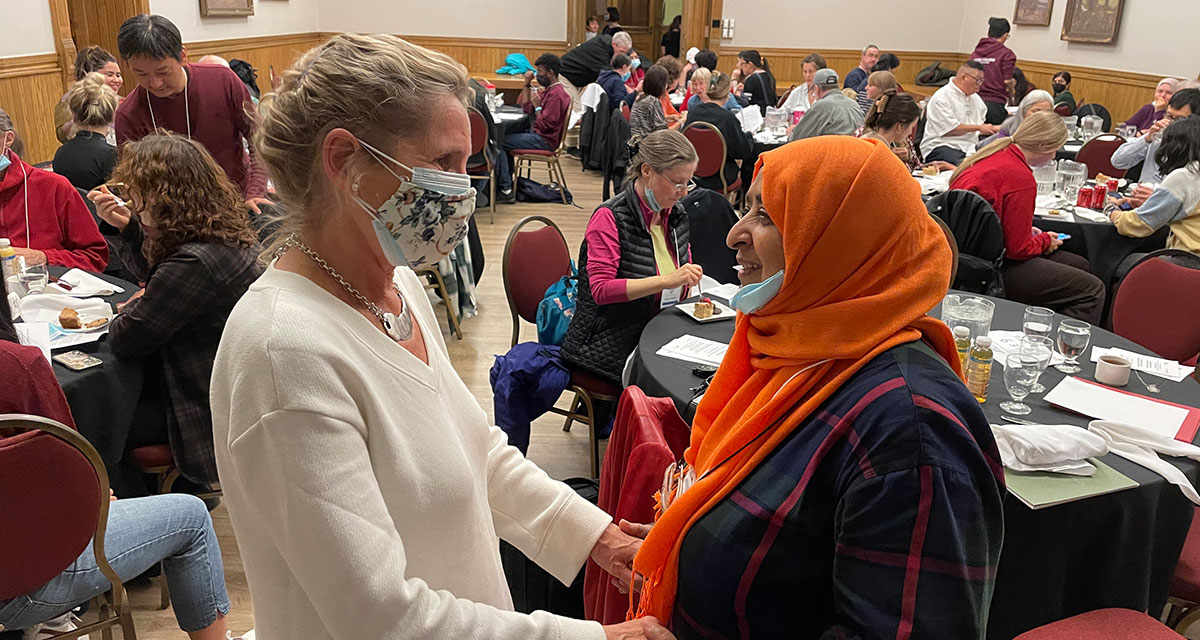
x=42, y=214
x=1034, y=271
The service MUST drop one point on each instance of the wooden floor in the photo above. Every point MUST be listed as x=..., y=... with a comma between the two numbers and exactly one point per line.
x=562, y=455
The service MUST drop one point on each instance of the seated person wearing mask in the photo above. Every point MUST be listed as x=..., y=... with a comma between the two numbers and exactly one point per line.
x=42, y=215
x=954, y=117
x=1184, y=104
x=612, y=80
x=832, y=114
x=552, y=109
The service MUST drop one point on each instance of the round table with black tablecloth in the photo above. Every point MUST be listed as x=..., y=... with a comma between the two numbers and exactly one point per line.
x=103, y=398
x=1101, y=244
x=1115, y=550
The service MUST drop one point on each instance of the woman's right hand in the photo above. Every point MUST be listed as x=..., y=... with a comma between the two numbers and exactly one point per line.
x=109, y=207
x=646, y=628
x=687, y=274
x=1055, y=242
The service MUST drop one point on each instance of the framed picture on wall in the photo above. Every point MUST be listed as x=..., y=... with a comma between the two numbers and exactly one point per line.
x=1033, y=12
x=210, y=8
x=1092, y=21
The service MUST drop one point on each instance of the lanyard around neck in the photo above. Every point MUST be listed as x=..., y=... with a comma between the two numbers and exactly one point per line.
x=187, y=110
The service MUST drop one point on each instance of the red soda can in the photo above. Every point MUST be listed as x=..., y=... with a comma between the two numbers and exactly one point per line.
x=1084, y=198
x=1113, y=185
x=1099, y=193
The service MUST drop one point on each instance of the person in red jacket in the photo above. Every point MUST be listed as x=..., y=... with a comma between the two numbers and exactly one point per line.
x=1034, y=271
x=42, y=214
x=999, y=64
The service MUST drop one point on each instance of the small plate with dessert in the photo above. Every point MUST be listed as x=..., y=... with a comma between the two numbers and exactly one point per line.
x=71, y=321
x=706, y=310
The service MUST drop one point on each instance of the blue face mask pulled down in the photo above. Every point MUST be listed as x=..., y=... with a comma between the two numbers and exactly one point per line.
x=636, y=62
x=753, y=297
x=652, y=201
x=625, y=76
x=4, y=161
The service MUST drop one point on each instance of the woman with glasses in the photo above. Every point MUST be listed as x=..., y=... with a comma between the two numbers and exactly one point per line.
x=635, y=258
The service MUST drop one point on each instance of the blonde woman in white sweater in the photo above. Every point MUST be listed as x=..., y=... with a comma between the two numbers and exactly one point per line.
x=366, y=487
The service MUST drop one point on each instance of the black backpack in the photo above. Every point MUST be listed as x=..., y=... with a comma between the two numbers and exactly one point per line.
x=976, y=228
x=531, y=191
x=246, y=73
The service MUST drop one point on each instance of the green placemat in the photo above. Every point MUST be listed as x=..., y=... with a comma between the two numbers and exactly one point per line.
x=1039, y=489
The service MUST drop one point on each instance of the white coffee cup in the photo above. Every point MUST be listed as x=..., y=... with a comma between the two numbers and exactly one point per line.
x=1112, y=371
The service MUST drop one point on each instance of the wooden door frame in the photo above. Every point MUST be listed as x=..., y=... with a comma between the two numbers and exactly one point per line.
x=697, y=30
x=64, y=42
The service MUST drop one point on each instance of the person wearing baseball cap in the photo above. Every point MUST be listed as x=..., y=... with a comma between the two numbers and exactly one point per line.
x=832, y=114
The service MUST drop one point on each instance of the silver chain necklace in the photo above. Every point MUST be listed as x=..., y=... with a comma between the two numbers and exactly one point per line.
x=398, y=328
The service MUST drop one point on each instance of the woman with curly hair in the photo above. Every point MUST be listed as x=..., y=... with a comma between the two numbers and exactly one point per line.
x=184, y=232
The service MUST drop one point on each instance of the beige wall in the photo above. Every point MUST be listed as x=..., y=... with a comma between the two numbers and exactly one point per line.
x=493, y=19
x=900, y=25
x=27, y=28
x=1155, y=37
x=271, y=17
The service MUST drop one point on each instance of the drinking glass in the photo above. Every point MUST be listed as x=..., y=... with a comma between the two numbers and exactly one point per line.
x=1039, y=321
x=1128, y=131
x=1046, y=176
x=1042, y=348
x=1073, y=339
x=1071, y=176
x=1020, y=372
x=34, y=278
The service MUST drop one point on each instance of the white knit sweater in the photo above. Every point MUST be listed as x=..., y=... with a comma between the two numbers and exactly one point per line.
x=367, y=489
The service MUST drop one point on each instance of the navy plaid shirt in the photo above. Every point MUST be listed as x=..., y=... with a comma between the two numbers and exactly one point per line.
x=879, y=517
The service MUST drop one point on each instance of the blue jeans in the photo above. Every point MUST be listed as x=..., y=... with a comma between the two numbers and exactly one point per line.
x=173, y=529
x=526, y=140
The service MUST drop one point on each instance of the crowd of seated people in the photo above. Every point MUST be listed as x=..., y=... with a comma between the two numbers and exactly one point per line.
x=309, y=379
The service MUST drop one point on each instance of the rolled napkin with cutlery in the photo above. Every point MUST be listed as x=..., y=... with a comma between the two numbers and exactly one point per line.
x=81, y=284
x=1057, y=448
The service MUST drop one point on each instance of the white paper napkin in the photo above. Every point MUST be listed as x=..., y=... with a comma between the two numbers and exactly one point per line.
x=1059, y=448
x=1142, y=446
x=84, y=285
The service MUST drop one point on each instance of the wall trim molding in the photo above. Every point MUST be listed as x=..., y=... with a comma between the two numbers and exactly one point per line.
x=548, y=45
x=205, y=47
x=34, y=65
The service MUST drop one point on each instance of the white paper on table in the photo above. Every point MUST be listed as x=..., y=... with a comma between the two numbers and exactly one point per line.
x=1006, y=343
x=35, y=334
x=751, y=119
x=1063, y=215
x=508, y=116
x=691, y=348
x=1161, y=367
x=1093, y=216
x=1104, y=403
x=83, y=285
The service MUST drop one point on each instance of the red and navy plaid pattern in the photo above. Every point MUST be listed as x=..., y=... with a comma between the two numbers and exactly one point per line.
x=880, y=517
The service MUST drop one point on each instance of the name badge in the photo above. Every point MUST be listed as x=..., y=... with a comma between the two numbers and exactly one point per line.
x=671, y=297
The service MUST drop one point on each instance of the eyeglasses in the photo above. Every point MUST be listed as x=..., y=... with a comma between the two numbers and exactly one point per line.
x=684, y=187
x=977, y=79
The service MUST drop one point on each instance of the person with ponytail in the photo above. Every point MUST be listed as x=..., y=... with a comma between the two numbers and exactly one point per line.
x=88, y=159
x=1035, y=272
x=758, y=83
x=836, y=419
x=892, y=119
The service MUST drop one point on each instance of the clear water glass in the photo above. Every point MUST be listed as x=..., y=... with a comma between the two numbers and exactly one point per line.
x=1020, y=374
x=1042, y=348
x=1074, y=336
x=1038, y=321
x=1128, y=131
x=34, y=278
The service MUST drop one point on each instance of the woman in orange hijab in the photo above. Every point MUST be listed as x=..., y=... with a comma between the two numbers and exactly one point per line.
x=841, y=481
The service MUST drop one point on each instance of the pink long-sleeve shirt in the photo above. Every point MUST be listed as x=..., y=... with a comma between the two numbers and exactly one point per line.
x=604, y=252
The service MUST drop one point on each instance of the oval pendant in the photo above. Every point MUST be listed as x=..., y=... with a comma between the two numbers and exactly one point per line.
x=399, y=329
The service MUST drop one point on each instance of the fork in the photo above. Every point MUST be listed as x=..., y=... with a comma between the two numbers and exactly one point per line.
x=1152, y=388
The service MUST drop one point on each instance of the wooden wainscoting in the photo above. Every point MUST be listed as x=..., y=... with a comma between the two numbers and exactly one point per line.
x=261, y=52
x=30, y=86
x=1121, y=92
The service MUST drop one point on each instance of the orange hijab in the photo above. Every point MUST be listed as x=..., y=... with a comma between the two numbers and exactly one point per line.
x=864, y=262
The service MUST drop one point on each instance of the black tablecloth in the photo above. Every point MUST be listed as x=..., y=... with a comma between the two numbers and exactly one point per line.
x=1116, y=550
x=103, y=398
x=1100, y=243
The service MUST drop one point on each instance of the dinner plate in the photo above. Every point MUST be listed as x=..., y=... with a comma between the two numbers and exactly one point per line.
x=720, y=312
x=85, y=319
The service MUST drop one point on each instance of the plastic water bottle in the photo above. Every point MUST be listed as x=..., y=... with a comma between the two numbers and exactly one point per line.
x=491, y=96
x=8, y=259
x=979, y=368
x=962, y=341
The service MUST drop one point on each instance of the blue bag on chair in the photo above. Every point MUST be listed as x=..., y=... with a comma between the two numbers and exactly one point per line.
x=556, y=309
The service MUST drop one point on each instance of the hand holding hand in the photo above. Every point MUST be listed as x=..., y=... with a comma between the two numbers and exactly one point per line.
x=646, y=628
x=687, y=274
x=110, y=208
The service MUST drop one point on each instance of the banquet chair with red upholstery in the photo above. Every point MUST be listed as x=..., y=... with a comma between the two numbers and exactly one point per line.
x=1185, y=584
x=534, y=260
x=1168, y=279
x=479, y=140
x=648, y=435
x=1103, y=624
x=524, y=159
x=54, y=491
x=711, y=150
x=1097, y=155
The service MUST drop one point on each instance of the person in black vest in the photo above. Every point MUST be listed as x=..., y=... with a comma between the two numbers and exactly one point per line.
x=635, y=258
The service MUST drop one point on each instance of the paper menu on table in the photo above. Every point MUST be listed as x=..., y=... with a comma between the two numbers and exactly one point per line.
x=1105, y=403
x=35, y=334
x=691, y=348
x=1006, y=343
x=1161, y=367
